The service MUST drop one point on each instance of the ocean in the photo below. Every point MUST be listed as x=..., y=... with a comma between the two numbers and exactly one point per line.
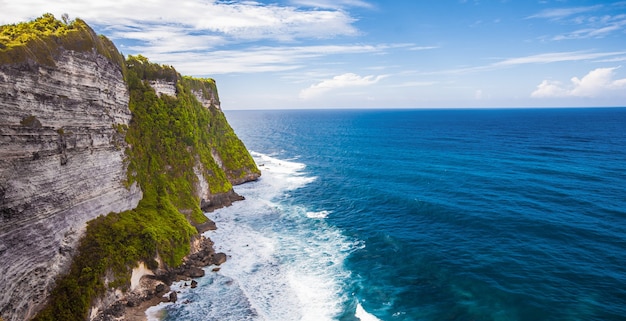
x=487, y=214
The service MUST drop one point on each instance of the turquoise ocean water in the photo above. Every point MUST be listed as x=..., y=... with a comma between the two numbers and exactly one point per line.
x=365, y=215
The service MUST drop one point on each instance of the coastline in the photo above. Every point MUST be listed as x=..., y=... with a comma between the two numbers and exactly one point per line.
x=138, y=313
x=154, y=287
x=149, y=288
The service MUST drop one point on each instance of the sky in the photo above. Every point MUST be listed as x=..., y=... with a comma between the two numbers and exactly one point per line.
x=289, y=54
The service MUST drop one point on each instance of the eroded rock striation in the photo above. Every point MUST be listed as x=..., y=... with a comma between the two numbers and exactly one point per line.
x=61, y=164
x=64, y=157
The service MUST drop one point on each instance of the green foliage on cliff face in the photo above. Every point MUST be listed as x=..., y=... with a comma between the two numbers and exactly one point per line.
x=167, y=138
x=42, y=39
x=144, y=70
x=236, y=161
x=111, y=245
x=206, y=86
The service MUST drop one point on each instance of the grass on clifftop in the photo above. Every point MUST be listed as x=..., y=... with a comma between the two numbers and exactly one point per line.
x=42, y=39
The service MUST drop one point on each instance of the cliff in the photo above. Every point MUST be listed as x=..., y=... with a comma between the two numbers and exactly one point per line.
x=104, y=162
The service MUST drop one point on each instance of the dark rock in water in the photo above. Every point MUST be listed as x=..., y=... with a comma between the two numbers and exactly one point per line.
x=215, y=201
x=194, y=284
x=195, y=272
x=216, y=269
x=219, y=258
x=173, y=297
x=206, y=226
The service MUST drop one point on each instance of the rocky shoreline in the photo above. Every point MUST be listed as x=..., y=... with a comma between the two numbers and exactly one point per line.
x=154, y=289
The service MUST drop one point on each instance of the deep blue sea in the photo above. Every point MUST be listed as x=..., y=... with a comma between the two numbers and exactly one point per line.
x=510, y=214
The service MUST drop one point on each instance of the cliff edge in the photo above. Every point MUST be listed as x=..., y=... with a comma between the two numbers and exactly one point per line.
x=105, y=162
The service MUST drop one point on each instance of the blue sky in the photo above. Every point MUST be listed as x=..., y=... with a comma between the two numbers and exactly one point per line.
x=373, y=54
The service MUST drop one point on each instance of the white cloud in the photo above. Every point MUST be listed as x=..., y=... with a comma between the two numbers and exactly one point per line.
x=599, y=27
x=615, y=59
x=599, y=82
x=165, y=39
x=544, y=58
x=190, y=34
x=414, y=84
x=341, y=81
x=595, y=25
x=559, y=13
x=253, y=59
x=548, y=88
x=418, y=48
x=233, y=19
x=555, y=57
x=335, y=4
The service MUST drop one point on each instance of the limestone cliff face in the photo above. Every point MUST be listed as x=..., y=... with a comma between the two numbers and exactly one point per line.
x=65, y=122
x=61, y=164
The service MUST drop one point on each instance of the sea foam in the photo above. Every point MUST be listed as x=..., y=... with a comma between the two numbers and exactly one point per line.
x=320, y=214
x=364, y=315
x=284, y=262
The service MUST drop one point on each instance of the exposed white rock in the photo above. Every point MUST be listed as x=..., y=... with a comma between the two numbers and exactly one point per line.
x=61, y=165
x=207, y=102
x=163, y=87
x=137, y=274
x=202, y=187
x=217, y=158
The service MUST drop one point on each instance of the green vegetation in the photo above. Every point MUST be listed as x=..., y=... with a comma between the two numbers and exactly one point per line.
x=204, y=85
x=42, y=39
x=229, y=147
x=167, y=138
x=111, y=246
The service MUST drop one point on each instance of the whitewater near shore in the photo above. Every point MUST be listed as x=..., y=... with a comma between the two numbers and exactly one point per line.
x=285, y=262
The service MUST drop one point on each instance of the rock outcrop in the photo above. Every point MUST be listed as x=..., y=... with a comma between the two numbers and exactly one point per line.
x=153, y=288
x=61, y=165
x=65, y=155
